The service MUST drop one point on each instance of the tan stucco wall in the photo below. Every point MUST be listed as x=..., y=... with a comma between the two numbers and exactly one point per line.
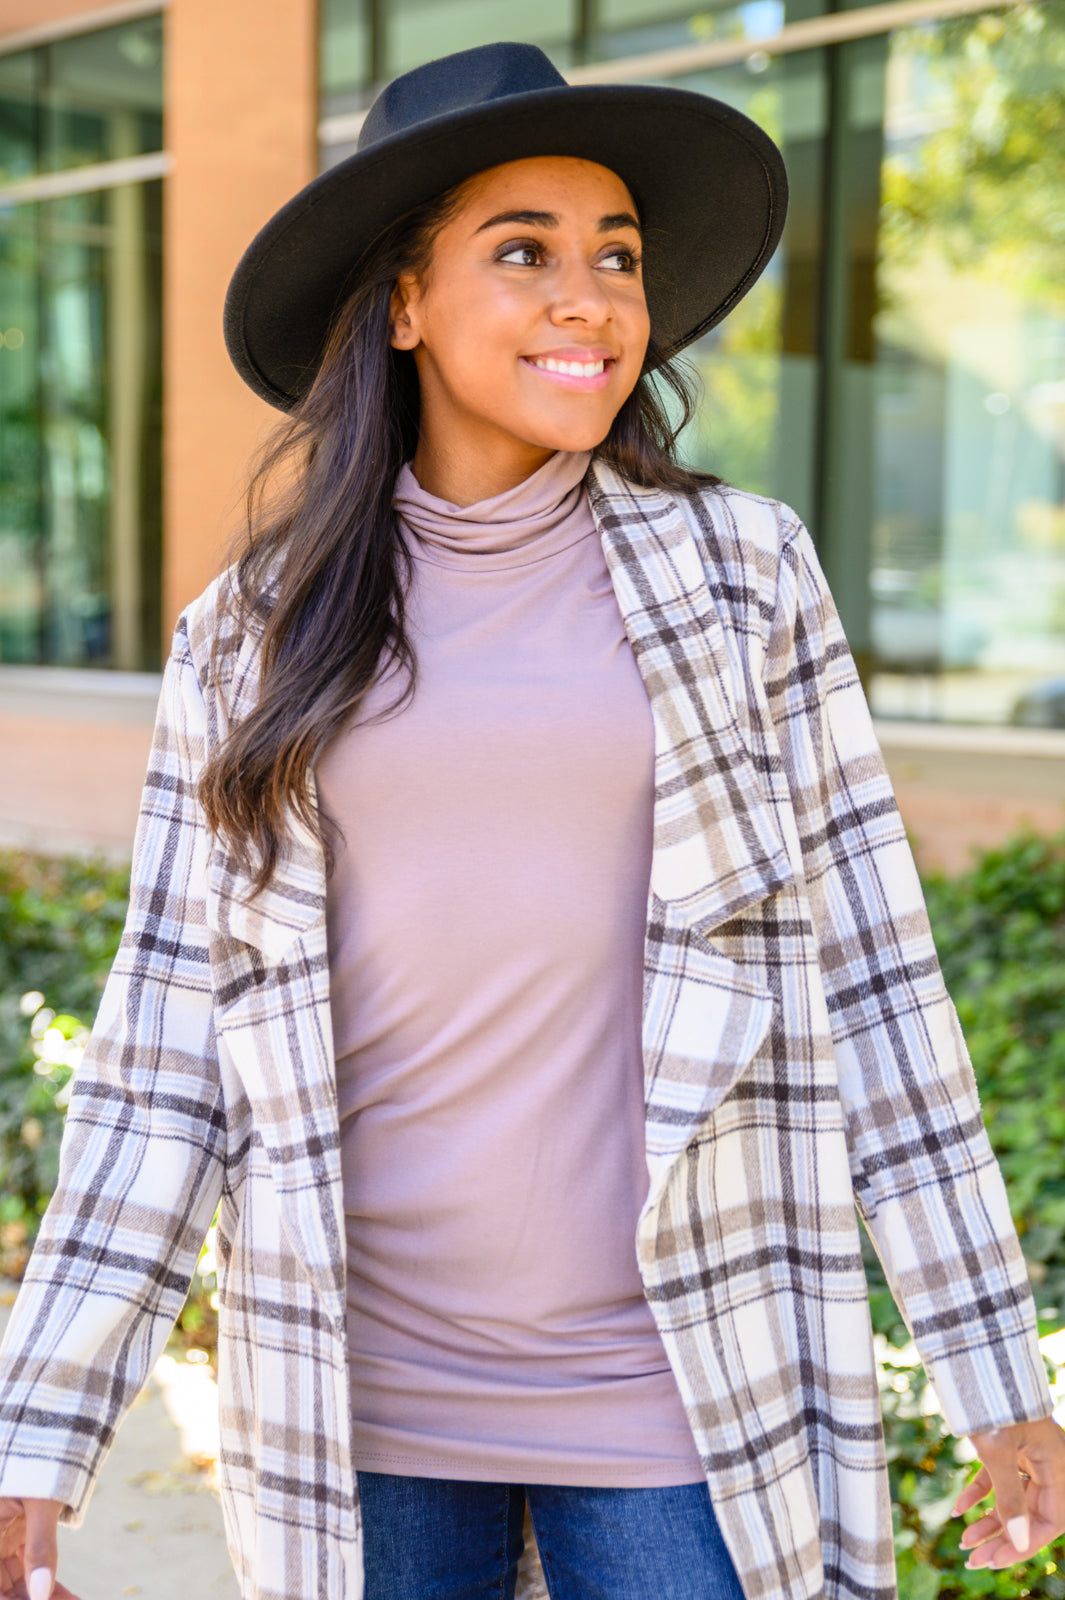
x=241, y=127
x=961, y=794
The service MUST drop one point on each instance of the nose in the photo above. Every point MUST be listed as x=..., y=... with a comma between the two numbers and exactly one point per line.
x=580, y=295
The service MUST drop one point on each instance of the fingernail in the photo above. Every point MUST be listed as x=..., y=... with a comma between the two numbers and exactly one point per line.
x=1016, y=1527
x=39, y=1583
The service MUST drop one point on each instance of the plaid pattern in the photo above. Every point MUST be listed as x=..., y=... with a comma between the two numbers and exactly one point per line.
x=800, y=1052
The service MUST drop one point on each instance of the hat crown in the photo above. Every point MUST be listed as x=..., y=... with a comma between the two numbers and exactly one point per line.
x=458, y=82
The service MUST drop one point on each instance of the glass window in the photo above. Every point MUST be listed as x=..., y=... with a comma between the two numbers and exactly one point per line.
x=629, y=27
x=419, y=30
x=345, y=55
x=80, y=429
x=759, y=369
x=19, y=115
x=363, y=44
x=948, y=442
x=105, y=95
x=367, y=41
x=95, y=97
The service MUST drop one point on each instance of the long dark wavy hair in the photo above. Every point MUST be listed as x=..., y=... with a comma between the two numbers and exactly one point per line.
x=322, y=572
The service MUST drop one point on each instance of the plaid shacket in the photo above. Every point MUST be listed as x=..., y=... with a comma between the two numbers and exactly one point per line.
x=801, y=1057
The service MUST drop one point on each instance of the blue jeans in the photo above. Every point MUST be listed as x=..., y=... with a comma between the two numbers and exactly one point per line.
x=440, y=1539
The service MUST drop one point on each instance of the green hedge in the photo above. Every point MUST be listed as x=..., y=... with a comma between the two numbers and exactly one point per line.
x=60, y=923
x=1000, y=930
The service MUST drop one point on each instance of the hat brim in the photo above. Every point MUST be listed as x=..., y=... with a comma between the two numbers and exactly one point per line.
x=708, y=182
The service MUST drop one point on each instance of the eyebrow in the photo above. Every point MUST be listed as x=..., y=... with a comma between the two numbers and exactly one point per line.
x=548, y=219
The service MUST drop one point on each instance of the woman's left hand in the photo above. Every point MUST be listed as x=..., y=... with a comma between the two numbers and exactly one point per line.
x=1023, y=1465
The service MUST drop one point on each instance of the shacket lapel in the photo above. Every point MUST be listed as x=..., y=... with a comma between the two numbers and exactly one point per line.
x=717, y=848
x=717, y=843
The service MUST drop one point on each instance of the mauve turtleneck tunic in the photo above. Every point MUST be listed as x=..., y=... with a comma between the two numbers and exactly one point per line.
x=486, y=930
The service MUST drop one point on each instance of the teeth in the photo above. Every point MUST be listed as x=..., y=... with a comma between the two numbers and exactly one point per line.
x=575, y=369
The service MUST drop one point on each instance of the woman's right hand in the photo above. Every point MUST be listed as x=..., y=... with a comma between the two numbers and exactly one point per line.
x=29, y=1550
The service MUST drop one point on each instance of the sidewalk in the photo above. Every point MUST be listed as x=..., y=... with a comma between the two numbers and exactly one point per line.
x=153, y=1526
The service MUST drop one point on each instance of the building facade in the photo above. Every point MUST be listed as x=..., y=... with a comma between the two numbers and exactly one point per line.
x=898, y=374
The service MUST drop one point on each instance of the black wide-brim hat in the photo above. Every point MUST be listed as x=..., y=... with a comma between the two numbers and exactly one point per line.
x=709, y=185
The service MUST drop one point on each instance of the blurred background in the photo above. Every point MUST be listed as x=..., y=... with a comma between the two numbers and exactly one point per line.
x=898, y=374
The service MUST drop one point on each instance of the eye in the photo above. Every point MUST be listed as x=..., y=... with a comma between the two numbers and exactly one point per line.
x=627, y=261
x=522, y=255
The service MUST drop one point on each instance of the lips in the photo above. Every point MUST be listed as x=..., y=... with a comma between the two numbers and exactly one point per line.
x=574, y=368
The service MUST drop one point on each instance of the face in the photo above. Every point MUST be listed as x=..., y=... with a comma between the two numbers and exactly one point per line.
x=529, y=326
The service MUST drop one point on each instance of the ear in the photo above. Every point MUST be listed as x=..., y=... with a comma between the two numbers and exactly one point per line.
x=402, y=313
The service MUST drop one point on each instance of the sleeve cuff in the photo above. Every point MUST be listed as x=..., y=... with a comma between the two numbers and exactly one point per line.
x=992, y=1385
x=30, y=1478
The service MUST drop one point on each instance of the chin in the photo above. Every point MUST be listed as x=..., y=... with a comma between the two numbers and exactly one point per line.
x=571, y=435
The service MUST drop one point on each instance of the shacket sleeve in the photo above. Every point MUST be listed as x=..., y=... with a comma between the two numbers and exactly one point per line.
x=141, y=1158
x=925, y=1178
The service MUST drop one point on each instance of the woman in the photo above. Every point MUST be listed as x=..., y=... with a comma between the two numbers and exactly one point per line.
x=523, y=950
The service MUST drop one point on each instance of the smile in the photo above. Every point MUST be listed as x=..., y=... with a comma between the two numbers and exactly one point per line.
x=573, y=374
x=576, y=369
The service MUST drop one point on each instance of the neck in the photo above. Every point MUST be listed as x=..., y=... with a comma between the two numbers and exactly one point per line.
x=464, y=478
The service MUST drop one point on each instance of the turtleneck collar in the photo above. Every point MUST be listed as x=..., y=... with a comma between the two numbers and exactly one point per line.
x=543, y=514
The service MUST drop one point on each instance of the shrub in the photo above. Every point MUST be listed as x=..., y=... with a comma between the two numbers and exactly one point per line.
x=60, y=923
x=1000, y=932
